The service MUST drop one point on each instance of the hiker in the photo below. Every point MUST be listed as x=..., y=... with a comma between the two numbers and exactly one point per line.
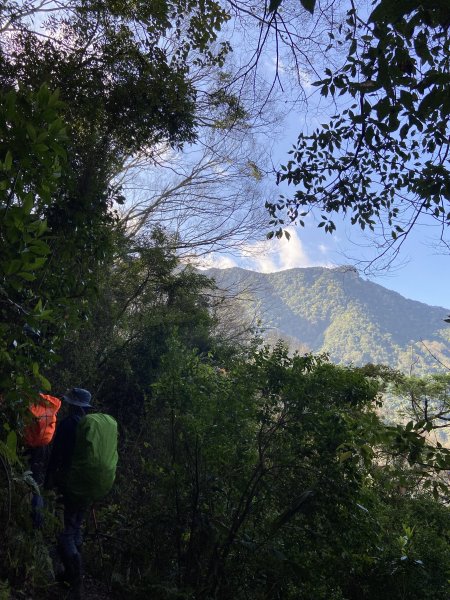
x=82, y=467
x=38, y=434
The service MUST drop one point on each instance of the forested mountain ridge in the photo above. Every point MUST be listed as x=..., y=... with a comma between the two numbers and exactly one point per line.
x=336, y=311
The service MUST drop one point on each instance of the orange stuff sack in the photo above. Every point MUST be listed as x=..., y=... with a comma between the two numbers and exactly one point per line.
x=42, y=429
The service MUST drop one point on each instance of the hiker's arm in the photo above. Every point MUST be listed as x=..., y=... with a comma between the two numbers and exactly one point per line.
x=63, y=446
x=58, y=454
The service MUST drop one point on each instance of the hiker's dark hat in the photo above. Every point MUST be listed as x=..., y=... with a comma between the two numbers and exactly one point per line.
x=78, y=397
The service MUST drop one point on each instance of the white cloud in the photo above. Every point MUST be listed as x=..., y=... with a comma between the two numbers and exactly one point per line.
x=305, y=78
x=292, y=253
x=217, y=261
x=270, y=256
x=276, y=254
x=274, y=65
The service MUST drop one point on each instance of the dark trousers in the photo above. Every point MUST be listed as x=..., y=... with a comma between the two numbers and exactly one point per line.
x=71, y=538
x=37, y=460
x=69, y=546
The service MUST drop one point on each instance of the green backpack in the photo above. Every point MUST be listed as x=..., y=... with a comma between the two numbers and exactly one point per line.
x=93, y=468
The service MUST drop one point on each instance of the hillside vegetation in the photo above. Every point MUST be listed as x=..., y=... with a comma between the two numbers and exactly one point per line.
x=335, y=311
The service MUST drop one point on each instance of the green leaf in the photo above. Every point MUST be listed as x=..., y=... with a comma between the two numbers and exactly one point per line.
x=8, y=161
x=14, y=266
x=274, y=5
x=309, y=5
x=44, y=315
x=28, y=203
x=388, y=11
x=6, y=450
x=383, y=107
x=11, y=443
x=26, y=276
x=31, y=131
x=345, y=456
x=39, y=247
x=37, y=263
x=43, y=95
x=47, y=386
x=41, y=148
x=42, y=227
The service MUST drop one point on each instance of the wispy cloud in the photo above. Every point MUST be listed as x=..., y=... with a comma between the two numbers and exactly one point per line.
x=274, y=65
x=305, y=78
x=270, y=256
x=218, y=261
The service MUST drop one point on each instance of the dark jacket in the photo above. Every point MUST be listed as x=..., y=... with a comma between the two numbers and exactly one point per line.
x=62, y=450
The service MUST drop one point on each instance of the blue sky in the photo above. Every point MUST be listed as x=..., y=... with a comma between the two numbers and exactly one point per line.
x=419, y=272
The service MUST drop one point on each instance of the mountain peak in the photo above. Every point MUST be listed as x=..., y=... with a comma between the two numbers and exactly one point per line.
x=334, y=310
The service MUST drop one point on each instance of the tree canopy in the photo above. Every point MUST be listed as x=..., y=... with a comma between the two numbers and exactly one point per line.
x=383, y=160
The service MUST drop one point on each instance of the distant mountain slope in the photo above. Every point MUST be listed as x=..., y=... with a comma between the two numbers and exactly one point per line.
x=336, y=311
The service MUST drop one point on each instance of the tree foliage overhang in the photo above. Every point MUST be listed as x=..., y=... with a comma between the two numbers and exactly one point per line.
x=122, y=68
x=121, y=71
x=384, y=160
